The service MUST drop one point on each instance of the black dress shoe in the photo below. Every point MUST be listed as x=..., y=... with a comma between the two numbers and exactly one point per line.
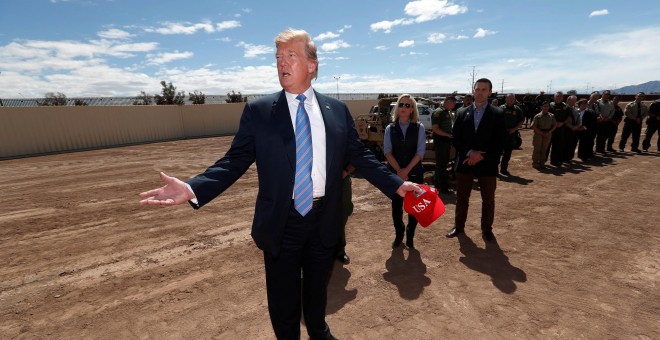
x=488, y=236
x=637, y=150
x=454, y=232
x=343, y=258
x=397, y=242
x=505, y=172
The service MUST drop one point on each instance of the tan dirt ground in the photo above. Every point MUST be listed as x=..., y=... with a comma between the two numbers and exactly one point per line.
x=578, y=255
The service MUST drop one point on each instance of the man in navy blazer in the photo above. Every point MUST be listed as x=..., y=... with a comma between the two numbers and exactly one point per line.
x=479, y=135
x=291, y=242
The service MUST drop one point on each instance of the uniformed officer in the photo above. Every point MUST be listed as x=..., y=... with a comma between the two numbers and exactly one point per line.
x=513, y=120
x=604, y=126
x=442, y=123
x=560, y=135
x=652, y=124
x=529, y=109
x=571, y=141
x=543, y=124
x=635, y=113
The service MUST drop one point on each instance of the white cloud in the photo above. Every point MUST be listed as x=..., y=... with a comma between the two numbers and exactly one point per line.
x=326, y=35
x=427, y=10
x=334, y=45
x=170, y=28
x=343, y=29
x=421, y=11
x=599, y=13
x=253, y=51
x=65, y=50
x=382, y=48
x=386, y=26
x=225, y=25
x=622, y=45
x=114, y=33
x=481, y=33
x=407, y=43
x=436, y=38
x=163, y=58
x=460, y=37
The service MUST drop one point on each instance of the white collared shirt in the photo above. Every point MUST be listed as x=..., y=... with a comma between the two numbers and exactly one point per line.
x=318, y=136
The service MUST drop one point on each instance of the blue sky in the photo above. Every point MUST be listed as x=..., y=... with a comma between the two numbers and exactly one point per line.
x=121, y=47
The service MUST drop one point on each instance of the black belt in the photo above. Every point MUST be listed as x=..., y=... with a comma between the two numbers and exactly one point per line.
x=317, y=202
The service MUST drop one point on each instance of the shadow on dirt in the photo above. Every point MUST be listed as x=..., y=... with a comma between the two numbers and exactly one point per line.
x=338, y=295
x=407, y=274
x=491, y=261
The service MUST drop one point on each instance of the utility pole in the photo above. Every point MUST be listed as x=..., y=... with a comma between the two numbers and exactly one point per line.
x=502, y=86
x=337, y=79
x=472, y=75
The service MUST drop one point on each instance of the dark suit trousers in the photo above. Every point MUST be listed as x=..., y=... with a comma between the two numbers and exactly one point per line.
x=487, y=186
x=301, y=250
x=630, y=128
x=397, y=210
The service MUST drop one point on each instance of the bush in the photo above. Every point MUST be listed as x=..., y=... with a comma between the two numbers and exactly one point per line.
x=53, y=99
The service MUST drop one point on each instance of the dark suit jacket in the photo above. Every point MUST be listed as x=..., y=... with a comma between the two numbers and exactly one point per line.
x=490, y=137
x=266, y=135
x=590, y=120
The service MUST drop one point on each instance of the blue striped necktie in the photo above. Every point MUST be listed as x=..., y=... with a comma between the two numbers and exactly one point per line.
x=302, y=189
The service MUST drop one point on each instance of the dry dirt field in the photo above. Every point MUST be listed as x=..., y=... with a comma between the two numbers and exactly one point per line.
x=578, y=255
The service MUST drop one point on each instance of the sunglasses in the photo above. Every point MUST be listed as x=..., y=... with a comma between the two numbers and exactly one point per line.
x=407, y=105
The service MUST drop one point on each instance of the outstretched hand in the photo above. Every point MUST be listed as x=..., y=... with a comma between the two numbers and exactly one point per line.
x=174, y=192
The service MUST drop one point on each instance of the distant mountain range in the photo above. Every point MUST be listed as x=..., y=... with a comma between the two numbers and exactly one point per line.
x=648, y=88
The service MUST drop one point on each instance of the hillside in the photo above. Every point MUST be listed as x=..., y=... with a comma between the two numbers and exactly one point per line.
x=648, y=88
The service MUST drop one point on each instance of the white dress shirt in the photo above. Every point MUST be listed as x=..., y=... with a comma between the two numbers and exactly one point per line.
x=318, y=136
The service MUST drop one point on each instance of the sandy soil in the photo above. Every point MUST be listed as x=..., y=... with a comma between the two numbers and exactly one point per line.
x=578, y=255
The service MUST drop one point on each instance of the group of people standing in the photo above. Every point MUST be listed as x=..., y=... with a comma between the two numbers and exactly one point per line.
x=561, y=127
x=305, y=144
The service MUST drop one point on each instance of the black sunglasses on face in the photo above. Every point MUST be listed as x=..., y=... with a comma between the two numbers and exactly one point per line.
x=407, y=105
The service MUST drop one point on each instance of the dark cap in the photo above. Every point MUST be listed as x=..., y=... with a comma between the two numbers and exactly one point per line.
x=606, y=92
x=468, y=95
x=641, y=93
x=451, y=98
x=583, y=100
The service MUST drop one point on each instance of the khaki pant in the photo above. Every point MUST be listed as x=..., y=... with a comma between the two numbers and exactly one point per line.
x=540, y=153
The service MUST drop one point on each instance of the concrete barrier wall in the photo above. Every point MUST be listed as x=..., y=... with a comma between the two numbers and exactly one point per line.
x=29, y=131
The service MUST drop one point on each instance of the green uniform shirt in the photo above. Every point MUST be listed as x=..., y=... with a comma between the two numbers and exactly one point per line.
x=442, y=118
x=560, y=111
x=512, y=116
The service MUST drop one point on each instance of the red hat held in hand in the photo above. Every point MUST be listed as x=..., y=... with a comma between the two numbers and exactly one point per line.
x=426, y=206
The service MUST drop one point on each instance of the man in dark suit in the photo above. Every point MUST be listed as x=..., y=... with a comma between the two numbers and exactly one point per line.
x=294, y=238
x=479, y=136
x=585, y=130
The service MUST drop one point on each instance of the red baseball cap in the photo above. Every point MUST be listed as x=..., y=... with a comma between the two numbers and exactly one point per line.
x=425, y=206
